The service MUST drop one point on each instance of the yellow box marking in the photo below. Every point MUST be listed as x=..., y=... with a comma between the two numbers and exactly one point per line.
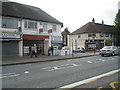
x=112, y=84
x=99, y=88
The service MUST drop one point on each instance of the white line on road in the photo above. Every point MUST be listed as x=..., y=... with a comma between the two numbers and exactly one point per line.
x=9, y=75
x=61, y=67
x=87, y=80
x=89, y=61
x=26, y=72
x=64, y=66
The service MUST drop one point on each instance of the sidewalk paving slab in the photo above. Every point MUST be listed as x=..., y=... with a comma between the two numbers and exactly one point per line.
x=28, y=59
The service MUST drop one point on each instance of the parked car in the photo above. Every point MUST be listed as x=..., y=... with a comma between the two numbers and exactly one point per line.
x=82, y=50
x=109, y=50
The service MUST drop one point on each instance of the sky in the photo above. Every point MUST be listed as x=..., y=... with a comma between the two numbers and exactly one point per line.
x=76, y=13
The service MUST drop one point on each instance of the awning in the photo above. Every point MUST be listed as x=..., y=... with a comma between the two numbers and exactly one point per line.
x=35, y=37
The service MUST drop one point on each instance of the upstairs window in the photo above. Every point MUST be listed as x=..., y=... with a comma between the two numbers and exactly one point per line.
x=101, y=35
x=30, y=25
x=78, y=36
x=54, y=28
x=9, y=22
x=91, y=35
x=45, y=27
x=106, y=35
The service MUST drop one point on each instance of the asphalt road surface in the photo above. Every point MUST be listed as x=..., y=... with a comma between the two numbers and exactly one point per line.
x=55, y=74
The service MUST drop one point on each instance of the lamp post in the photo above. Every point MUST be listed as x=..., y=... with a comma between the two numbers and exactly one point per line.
x=72, y=47
x=93, y=37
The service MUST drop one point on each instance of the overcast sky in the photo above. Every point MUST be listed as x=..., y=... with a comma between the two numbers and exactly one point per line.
x=76, y=13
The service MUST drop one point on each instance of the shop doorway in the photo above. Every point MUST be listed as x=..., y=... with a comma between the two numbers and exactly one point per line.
x=36, y=45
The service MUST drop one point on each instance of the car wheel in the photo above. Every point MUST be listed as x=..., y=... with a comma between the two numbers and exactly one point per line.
x=113, y=54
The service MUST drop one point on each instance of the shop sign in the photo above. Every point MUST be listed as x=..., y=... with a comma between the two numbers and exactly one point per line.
x=56, y=38
x=9, y=35
x=50, y=31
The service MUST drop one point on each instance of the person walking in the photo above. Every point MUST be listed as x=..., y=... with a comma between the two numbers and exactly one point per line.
x=33, y=53
x=49, y=49
x=52, y=49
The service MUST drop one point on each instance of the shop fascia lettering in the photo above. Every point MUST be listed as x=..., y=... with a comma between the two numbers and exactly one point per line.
x=9, y=35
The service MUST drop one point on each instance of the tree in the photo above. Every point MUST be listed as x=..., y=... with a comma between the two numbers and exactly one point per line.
x=117, y=28
x=64, y=36
x=65, y=32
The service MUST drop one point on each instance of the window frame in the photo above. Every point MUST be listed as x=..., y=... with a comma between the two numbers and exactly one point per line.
x=54, y=28
x=15, y=26
x=27, y=23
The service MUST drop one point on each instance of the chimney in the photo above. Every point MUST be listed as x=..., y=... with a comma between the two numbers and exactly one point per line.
x=93, y=20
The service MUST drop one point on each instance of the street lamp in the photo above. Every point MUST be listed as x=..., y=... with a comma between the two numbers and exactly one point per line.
x=72, y=47
x=93, y=37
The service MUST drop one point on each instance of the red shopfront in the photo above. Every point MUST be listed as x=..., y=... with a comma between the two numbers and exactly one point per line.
x=35, y=42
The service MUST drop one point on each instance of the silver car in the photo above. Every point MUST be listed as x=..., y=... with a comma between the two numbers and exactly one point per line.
x=109, y=50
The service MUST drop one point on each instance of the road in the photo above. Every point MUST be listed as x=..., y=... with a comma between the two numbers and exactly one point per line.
x=55, y=74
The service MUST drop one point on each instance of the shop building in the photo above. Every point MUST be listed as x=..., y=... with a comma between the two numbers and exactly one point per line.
x=25, y=28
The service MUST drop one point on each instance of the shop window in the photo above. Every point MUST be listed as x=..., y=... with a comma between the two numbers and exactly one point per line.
x=9, y=22
x=91, y=46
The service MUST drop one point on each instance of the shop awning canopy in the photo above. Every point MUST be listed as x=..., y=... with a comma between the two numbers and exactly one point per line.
x=34, y=37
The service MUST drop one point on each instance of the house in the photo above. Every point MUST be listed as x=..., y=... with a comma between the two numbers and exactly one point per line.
x=25, y=27
x=91, y=36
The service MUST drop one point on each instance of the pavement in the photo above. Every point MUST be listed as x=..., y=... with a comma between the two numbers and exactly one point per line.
x=28, y=59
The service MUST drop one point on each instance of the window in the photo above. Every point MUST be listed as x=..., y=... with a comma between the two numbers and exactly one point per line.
x=30, y=25
x=78, y=36
x=9, y=22
x=111, y=35
x=54, y=28
x=106, y=35
x=101, y=34
x=45, y=27
x=25, y=24
x=91, y=35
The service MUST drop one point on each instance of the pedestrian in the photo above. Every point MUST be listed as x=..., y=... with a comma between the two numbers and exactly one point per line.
x=52, y=50
x=49, y=49
x=33, y=53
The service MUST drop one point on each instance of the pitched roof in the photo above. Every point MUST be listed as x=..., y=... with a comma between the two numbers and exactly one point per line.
x=18, y=10
x=91, y=27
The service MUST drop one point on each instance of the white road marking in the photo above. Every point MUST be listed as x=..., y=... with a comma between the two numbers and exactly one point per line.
x=61, y=67
x=9, y=75
x=26, y=72
x=87, y=80
x=89, y=61
x=46, y=68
